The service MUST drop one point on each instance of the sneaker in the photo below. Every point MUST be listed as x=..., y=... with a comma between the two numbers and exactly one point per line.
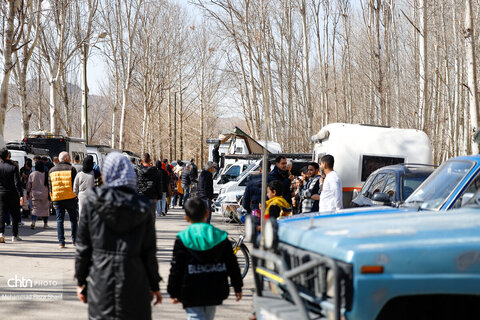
x=16, y=238
x=74, y=244
x=45, y=226
x=61, y=245
x=32, y=226
x=2, y=238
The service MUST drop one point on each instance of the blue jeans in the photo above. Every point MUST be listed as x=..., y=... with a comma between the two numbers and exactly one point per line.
x=71, y=206
x=186, y=193
x=201, y=313
x=208, y=204
x=161, y=204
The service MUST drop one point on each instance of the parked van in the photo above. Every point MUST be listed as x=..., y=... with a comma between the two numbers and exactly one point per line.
x=20, y=152
x=57, y=143
x=99, y=152
x=361, y=149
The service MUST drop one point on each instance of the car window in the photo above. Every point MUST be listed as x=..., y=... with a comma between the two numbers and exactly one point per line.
x=366, y=186
x=391, y=186
x=377, y=184
x=468, y=193
x=435, y=191
x=410, y=184
x=234, y=171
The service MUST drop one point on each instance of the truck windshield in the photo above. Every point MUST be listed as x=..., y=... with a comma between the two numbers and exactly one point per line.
x=250, y=167
x=433, y=193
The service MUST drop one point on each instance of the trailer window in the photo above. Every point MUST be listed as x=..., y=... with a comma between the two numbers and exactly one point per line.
x=372, y=163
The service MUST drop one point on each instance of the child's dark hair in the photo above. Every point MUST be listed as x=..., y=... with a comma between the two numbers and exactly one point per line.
x=276, y=186
x=195, y=209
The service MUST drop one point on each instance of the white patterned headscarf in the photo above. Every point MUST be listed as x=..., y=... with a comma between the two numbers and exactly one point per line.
x=118, y=171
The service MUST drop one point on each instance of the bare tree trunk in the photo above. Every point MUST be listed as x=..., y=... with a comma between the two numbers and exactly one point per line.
x=472, y=71
x=8, y=43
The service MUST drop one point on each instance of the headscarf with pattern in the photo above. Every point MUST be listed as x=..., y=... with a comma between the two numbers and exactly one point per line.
x=118, y=171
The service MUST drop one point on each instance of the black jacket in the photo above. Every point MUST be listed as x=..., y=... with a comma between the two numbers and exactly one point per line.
x=194, y=173
x=165, y=179
x=282, y=176
x=186, y=177
x=252, y=196
x=205, y=185
x=10, y=179
x=149, y=182
x=200, y=277
x=116, y=252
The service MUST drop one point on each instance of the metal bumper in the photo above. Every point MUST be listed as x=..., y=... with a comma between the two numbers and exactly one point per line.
x=285, y=276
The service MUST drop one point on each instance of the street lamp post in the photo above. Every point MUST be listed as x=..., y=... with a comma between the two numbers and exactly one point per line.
x=84, y=57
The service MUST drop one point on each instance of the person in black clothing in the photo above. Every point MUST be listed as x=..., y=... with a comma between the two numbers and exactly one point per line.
x=252, y=196
x=115, y=262
x=205, y=186
x=149, y=180
x=193, y=171
x=280, y=173
x=24, y=174
x=186, y=179
x=202, y=262
x=216, y=158
x=161, y=205
x=11, y=194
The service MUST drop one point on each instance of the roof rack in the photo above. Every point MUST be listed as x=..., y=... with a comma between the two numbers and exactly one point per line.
x=258, y=156
x=22, y=146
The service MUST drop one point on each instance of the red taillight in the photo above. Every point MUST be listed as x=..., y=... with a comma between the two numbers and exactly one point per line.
x=24, y=139
x=61, y=140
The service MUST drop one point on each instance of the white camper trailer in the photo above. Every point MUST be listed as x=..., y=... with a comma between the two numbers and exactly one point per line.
x=361, y=149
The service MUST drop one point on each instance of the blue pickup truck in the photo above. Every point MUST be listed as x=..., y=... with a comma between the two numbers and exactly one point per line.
x=413, y=262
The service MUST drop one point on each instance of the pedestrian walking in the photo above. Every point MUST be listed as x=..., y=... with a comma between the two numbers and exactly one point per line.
x=84, y=180
x=186, y=179
x=164, y=181
x=24, y=174
x=76, y=163
x=60, y=181
x=37, y=193
x=149, y=181
x=11, y=194
x=115, y=262
x=202, y=262
x=205, y=186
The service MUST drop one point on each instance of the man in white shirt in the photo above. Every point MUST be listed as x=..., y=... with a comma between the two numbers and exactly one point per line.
x=331, y=196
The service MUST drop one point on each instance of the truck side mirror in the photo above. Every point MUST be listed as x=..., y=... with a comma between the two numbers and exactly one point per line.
x=381, y=198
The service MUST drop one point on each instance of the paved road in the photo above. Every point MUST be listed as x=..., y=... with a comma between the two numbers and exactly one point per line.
x=39, y=260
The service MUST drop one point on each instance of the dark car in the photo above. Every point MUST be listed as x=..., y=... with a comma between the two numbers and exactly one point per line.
x=392, y=184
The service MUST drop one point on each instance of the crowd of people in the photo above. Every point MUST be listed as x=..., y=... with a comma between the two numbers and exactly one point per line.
x=112, y=214
x=319, y=188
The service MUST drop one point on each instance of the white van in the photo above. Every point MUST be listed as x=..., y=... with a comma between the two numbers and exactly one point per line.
x=99, y=152
x=359, y=150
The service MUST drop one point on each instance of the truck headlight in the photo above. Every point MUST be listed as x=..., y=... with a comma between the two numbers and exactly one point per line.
x=270, y=234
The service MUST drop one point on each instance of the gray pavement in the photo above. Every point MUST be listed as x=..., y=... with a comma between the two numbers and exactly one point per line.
x=50, y=269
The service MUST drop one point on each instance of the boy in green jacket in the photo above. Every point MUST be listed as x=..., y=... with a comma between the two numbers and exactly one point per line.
x=202, y=262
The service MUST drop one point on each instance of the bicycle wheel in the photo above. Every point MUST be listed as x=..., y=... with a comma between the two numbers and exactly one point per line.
x=243, y=258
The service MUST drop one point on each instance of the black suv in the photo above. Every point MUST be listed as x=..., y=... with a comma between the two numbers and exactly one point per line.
x=392, y=184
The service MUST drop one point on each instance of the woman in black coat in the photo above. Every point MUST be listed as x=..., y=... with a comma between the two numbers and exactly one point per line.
x=116, y=247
